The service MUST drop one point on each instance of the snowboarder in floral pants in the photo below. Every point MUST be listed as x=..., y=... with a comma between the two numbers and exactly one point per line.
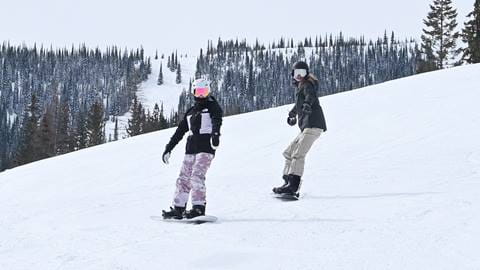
x=203, y=122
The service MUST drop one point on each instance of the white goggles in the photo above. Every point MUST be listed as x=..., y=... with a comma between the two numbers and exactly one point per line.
x=299, y=72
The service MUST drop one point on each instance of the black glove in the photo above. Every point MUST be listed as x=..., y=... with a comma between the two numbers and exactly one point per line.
x=292, y=121
x=306, y=108
x=166, y=156
x=215, y=140
x=292, y=114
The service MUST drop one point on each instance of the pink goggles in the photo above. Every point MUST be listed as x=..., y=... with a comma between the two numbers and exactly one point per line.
x=201, y=92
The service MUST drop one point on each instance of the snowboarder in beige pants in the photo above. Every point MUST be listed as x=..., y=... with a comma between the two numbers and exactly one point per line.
x=311, y=122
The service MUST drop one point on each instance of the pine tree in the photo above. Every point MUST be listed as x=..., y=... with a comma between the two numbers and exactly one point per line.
x=45, y=136
x=149, y=124
x=156, y=54
x=4, y=134
x=155, y=121
x=95, y=124
x=440, y=32
x=251, y=83
x=178, y=79
x=160, y=76
x=115, y=131
x=163, y=123
x=64, y=136
x=173, y=64
x=81, y=135
x=135, y=123
x=198, y=70
x=471, y=36
x=426, y=61
x=157, y=117
x=147, y=71
x=26, y=153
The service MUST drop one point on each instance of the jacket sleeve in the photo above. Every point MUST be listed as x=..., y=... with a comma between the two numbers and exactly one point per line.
x=178, y=135
x=293, y=112
x=216, y=114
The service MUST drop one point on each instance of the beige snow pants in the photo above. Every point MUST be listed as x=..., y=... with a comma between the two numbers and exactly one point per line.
x=298, y=149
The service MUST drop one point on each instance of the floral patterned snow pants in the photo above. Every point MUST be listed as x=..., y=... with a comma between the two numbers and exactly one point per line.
x=192, y=178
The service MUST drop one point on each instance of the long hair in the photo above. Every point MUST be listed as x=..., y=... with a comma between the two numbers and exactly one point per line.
x=310, y=79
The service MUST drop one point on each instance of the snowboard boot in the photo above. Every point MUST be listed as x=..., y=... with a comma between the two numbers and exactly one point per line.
x=276, y=189
x=175, y=212
x=292, y=187
x=197, y=210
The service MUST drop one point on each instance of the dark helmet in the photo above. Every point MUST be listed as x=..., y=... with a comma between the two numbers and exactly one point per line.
x=300, y=65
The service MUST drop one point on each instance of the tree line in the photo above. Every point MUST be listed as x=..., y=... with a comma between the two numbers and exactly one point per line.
x=247, y=78
x=54, y=101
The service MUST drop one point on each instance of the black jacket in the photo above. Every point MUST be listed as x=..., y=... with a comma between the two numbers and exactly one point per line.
x=307, y=94
x=201, y=121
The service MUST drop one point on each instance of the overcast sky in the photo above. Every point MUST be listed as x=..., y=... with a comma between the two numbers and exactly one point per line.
x=188, y=24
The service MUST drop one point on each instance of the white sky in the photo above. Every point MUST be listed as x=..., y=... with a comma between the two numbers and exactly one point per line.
x=188, y=24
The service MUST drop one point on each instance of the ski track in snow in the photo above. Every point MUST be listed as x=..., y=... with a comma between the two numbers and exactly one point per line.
x=392, y=184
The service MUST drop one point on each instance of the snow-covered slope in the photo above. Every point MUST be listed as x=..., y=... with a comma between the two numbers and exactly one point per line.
x=393, y=184
x=169, y=92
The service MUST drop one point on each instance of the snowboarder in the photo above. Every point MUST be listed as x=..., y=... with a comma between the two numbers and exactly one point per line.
x=311, y=122
x=202, y=121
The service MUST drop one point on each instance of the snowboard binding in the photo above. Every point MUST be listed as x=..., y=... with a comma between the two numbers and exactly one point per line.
x=175, y=212
x=290, y=187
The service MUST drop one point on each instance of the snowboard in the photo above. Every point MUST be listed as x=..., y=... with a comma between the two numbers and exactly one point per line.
x=287, y=197
x=195, y=220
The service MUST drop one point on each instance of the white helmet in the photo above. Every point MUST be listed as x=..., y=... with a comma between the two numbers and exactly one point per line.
x=201, y=88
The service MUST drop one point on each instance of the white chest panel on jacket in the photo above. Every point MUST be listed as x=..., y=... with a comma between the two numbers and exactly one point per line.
x=205, y=122
x=206, y=126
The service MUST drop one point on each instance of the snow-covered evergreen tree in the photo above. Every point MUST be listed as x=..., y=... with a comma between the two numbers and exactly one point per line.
x=27, y=150
x=178, y=78
x=115, y=131
x=471, y=36
x=45, y=137
x=440, y=33
x=65, y=141
x=160, y=76
x=95, y=125
x=136, y=122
